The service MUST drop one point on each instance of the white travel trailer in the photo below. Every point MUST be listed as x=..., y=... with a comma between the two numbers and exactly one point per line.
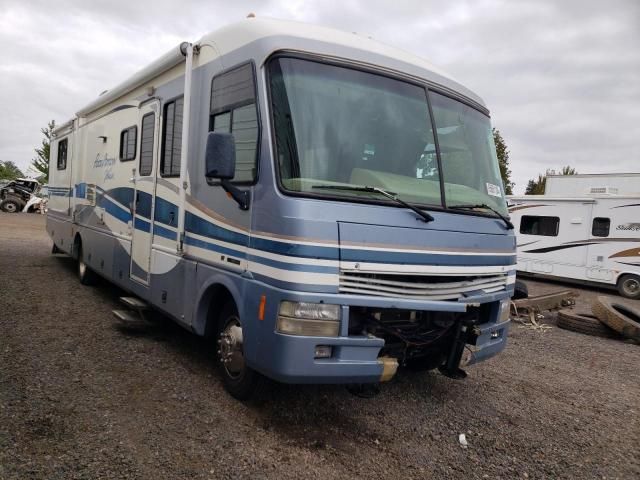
x=593, y=238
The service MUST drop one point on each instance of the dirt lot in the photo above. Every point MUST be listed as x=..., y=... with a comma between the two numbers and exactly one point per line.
x=83, y=399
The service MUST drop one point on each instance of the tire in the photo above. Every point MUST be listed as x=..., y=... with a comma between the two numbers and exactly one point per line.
x=624, y=320
x=55, y=249
x=585, y=323
x=86, y=276
x=520, y=291
x=242, y=382
x=12, y=205
x=629, y=286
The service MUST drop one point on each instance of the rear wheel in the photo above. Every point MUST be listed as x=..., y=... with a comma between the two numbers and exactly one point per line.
x=239, y=380
x=12, y=205
x=629, y=286
x=85, y=274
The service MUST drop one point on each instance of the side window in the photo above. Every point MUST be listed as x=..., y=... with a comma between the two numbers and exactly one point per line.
x=146, y=144
x=172, y=138
x=63, y=146
x=535, y=225
x=233, y=110
x=600, y=227
x=128, y=138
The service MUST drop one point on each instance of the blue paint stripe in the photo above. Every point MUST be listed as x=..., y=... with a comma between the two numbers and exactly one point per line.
x=212, y=246
x=199, y=226
x=374, y=256
x=295, y=267
x=306, y=287
x=115, y=210
x=263, y=261
x=166, y=212
x=143, y=225
x=295, y=249
x=164, y=232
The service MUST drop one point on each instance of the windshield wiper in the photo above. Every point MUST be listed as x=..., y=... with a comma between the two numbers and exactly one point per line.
x=506, y=221
x=393, y=196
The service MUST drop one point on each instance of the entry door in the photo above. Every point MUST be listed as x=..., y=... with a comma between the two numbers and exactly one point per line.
x=144, y=189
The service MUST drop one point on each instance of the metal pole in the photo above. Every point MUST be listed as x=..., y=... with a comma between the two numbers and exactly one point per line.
x=184, y=154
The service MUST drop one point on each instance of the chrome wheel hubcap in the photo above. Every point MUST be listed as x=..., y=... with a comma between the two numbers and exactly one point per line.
x=10, y=208
x=230, y=348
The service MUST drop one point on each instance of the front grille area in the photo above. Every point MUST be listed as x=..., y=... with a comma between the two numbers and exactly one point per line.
x=420, y=287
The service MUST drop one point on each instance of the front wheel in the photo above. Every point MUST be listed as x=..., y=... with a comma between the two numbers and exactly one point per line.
x=239, y=380
x=629, y=286
x=12, y=205
x=85, y=274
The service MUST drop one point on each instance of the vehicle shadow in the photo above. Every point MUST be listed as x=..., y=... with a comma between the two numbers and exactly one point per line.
x=318, y=417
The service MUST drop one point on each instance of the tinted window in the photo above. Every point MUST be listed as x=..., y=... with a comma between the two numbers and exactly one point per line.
x=128, y=139
x=534, y=225
x=600, y=227
x=233, y=110
x=62, y=154
x=172, y=138
x=146, y=143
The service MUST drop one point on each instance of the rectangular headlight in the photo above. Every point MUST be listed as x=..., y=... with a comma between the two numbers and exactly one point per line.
x=309, y=319
x=311, y=311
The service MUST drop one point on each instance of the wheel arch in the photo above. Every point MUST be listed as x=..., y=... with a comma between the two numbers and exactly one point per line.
x=622, y=273
x=212, y=295
x=77, y=243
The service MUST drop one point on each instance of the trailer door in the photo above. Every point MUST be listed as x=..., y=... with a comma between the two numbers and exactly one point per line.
x=144, y=180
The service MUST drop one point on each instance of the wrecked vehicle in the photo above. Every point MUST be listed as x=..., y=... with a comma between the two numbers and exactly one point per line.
x=21, y=195
x=322, y=207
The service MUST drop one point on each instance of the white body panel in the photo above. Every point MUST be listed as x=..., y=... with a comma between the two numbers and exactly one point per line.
x=577, y=251
x=593, y=184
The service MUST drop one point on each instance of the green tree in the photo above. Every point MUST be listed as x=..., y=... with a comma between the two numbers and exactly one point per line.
x=503, y=161
x=537, y=186
x=41, y=162
x=9, y=171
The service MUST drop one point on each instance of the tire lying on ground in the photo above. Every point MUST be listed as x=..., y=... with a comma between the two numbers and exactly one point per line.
x=624, y=320
x=585, y=323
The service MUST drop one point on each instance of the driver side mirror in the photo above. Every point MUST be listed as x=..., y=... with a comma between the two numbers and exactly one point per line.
x=220, y=156
x=220, y=163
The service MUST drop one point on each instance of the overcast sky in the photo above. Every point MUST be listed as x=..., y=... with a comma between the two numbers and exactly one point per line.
x=561, y=78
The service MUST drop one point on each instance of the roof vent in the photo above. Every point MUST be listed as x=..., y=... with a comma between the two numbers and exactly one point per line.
x=603, y=191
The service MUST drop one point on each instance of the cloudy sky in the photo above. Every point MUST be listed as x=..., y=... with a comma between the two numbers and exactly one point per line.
x=562, y=78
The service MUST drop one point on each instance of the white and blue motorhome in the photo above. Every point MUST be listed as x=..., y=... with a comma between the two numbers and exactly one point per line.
x=322, y=206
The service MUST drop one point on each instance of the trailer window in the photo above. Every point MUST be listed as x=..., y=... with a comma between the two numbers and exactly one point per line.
x=62, y=154
x=146, y=144
x=600, y=227
x=128, y=138
x=536, y=225
x=233, y=110
x=172, y=138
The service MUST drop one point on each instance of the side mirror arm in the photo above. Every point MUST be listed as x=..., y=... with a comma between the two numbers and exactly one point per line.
x=243, y=197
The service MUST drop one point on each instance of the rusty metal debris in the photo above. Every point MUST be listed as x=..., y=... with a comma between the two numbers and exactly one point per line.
x=527, y=311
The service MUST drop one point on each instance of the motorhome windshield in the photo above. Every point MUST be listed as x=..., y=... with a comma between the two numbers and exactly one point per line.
x=341, y=126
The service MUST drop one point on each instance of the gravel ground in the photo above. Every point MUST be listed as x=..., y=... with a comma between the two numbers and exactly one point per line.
x=81, y=398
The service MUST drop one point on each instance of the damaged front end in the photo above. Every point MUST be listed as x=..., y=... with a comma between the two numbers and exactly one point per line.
x=426, y=340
